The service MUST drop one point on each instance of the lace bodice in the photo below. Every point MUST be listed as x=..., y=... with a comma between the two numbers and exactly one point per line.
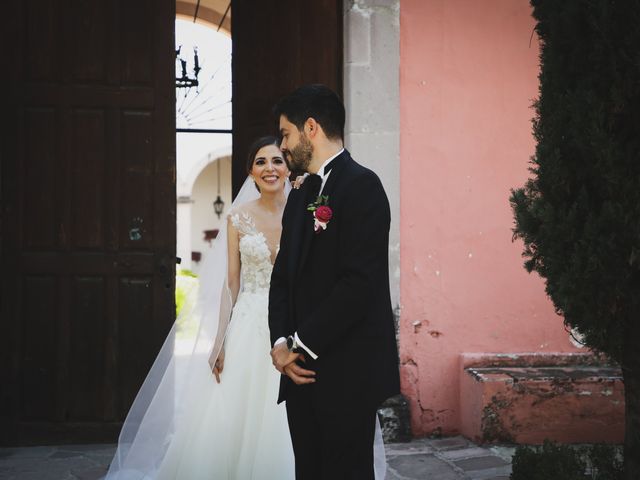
x=255, y=255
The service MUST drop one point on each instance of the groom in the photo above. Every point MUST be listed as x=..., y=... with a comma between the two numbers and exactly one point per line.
x=330, y=312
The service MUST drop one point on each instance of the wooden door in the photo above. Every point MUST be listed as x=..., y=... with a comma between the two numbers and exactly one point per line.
x=88, y=213
x=278, y=45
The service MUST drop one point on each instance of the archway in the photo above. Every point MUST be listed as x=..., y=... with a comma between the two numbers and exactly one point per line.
x=203, y=131
x=195, y=215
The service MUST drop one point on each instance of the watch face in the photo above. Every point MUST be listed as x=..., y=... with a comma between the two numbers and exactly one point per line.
x=290, y=343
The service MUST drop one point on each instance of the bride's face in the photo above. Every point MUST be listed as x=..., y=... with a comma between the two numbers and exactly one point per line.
x=269, y=170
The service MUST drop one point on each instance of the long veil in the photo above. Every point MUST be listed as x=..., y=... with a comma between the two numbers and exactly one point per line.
x=172, y=384
x=169, y=387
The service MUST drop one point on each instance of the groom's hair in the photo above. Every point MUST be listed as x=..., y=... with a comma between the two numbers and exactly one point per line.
x=314, y=101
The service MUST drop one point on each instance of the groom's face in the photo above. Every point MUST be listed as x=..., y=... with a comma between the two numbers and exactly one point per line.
x=295, y=145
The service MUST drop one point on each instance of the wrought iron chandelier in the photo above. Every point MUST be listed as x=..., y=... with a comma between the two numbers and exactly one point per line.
x=185, y=81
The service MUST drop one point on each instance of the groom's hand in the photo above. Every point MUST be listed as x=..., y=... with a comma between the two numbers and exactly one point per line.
x=281, y=356
x=299, y=375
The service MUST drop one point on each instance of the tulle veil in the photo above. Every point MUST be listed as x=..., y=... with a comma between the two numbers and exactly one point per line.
x=168, y=388
x=172, y=384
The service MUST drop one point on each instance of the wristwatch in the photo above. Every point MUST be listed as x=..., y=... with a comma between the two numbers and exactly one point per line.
x=292, y=345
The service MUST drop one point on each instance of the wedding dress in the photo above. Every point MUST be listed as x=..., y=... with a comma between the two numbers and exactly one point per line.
x=236, y=430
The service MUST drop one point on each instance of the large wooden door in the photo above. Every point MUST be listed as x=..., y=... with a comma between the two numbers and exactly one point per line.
x=278, y=45
x=88, y=213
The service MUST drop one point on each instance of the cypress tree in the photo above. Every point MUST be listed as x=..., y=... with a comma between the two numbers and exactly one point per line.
x=579, y=213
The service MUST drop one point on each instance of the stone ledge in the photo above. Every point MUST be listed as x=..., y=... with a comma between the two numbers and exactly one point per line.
x=533, y=359
x=530, y=397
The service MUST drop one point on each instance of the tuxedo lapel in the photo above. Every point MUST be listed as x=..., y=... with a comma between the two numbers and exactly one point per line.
x=307, y=237
x=338, y=164
x=308, y=232
x=299, y=224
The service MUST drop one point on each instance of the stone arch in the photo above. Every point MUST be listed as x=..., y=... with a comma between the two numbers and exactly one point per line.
x=200, y=165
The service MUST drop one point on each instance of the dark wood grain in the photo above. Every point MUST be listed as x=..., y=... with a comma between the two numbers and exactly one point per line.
x=277, y=47
x=87, y=226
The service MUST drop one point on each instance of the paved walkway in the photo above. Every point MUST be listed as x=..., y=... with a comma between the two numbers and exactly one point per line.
x=452, y=458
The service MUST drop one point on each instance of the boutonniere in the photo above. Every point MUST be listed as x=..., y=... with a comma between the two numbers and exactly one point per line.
x=322, y=213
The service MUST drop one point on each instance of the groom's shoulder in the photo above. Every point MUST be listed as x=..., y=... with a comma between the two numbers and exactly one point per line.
x=361, y=174
x=295, y=195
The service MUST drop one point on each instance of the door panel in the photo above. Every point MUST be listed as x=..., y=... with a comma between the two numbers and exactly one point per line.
x=278, y=45
x=87, y=227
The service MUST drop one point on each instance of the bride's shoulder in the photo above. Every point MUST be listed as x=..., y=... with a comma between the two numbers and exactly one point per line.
x=247, y=209
x=241, y=217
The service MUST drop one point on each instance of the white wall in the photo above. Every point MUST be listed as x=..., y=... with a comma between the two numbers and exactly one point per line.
x=204, y=193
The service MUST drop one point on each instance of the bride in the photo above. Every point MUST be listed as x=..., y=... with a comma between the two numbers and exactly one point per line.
x=214, y=415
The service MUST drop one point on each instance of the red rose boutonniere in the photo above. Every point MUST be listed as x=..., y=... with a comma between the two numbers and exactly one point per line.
x=322, y=213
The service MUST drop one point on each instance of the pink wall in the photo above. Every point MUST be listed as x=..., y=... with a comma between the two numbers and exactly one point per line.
x=468, y=74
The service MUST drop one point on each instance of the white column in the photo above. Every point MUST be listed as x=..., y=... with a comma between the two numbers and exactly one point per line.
x=372, y=101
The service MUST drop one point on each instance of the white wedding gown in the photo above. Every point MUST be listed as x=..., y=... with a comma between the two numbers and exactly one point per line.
x=236, y=430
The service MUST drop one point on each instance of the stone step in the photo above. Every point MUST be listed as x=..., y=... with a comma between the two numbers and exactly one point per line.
x=527, y=398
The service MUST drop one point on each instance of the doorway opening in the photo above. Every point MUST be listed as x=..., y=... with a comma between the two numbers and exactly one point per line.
x=203, y=137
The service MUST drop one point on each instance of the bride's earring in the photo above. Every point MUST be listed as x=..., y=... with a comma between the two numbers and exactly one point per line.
x=255, y=183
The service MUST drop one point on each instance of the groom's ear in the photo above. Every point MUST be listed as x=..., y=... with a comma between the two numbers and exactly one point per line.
x=311, y=127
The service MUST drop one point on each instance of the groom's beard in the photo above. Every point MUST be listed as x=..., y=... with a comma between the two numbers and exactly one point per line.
x=300, y=155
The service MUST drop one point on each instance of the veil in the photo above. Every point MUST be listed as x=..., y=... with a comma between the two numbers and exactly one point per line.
x=169, y=387
x=172, y=384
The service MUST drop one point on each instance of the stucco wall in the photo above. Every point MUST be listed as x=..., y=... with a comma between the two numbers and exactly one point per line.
x=205, y=191
x=468, y=75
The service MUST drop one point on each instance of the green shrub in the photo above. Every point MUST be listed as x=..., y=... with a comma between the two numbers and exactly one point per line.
x=183, y=289
x=563, y=462
x=186, y=296
x=180, y=299
x=549, y=462
x=606, y=462
x=187, y=273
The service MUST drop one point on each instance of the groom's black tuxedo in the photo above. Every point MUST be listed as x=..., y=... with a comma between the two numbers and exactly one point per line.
x=332, y=288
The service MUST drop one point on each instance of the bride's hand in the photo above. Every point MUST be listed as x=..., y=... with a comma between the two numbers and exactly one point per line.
x=297, y=183
x=217, y=365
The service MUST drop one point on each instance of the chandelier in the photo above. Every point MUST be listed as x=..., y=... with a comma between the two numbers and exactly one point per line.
x=185, y=81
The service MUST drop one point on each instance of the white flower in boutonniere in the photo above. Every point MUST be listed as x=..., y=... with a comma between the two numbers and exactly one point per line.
x=322, y=213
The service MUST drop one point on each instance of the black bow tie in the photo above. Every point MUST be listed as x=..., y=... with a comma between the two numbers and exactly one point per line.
x=313, y=189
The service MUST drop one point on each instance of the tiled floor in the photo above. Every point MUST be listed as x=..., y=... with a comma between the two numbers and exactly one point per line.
x=452, y=458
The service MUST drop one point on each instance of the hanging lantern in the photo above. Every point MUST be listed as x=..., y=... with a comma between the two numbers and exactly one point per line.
x=218, y=206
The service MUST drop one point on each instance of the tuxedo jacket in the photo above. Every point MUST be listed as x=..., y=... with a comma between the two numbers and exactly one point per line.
x=332, y=287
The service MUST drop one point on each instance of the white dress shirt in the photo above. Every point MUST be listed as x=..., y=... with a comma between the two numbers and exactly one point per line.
x=321, y=170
